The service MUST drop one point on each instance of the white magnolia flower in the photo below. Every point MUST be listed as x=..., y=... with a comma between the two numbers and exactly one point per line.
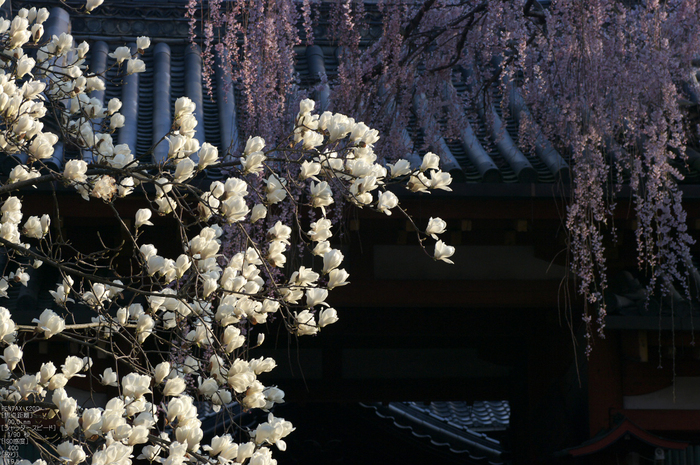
x=275, y=190
x=280, y=232
x=259, y=212
x=114, y=106
x=232, y=339
x=418, y=183
x=245, y=451
x=135, y=65
x=430, y=162
x=337, y=277
x=339, y=127
x=208, y=387
x=108, y=378
x=135, y=385
x=184, y=106
x=272, y=432
x=440, y=180
x=321, y=195
x=116, y=121
x=161, y=372
x=262, y=365
x=166, y=205
x=23, y=173
x=104, y=188
x=223, y=446
x=316, y=296
x=143, y=216
x=327, y=317
x=5, y=373
x=33, y=228
x=142, y=43
x=121, y=54
x=359, y=132
x=125, y=187
x=138, y=435
x=94, y=83
x=46, y=372
x=254, y=144
x=71, y=454
x=309, y=169
x=208, y=155
x=184, y=170
x=57, y=381
x=332, y=260
x=273, y=395
x=435, y=226
x=148, y=417
x=174, y=387
x=387, y=200
x=42, y=14
x=12, y=355
x=92, y=421
x=305, y=323
x=92, y=4
x=191, y=434
x=182, y=264
x=75, y=170
x=144, y=327
x=26, y=64
x=190, y=365
x=234, y=209
x=11, y=210
x=321, y=230
x=253, y=163
x=50, y=323
x=444, y=252
x=306, y=106
x=72, y=366
x=150, y=453
x=322, y=248
x=25, y=386
x=312, y=139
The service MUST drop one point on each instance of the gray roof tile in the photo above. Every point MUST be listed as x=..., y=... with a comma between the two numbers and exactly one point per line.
x=173, y=69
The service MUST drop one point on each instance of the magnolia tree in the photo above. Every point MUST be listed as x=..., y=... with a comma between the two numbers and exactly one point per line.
x=179, y=331
x=607, y=82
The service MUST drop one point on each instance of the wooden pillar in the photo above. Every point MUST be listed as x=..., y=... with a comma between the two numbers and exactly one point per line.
x=604, y=381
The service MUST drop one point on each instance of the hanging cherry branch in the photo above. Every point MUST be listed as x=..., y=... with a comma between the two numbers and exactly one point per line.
x=598, y=83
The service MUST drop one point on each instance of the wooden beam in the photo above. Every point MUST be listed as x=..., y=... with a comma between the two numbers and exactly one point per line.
x=448, y=293
x=663, y=420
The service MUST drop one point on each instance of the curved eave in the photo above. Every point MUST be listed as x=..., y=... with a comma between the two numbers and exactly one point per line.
x=625, y=429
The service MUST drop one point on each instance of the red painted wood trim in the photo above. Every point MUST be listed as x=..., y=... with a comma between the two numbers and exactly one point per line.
x=626, y=427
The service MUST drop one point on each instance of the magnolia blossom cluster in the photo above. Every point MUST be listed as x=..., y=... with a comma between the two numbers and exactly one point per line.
x=34, y=228
x=211, y=303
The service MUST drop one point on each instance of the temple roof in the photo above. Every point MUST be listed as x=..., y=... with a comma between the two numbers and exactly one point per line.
x=174, y=69
x=483, y=153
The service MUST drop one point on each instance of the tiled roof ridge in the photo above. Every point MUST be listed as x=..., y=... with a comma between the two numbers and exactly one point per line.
x=481, y=415
x=475, y=445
